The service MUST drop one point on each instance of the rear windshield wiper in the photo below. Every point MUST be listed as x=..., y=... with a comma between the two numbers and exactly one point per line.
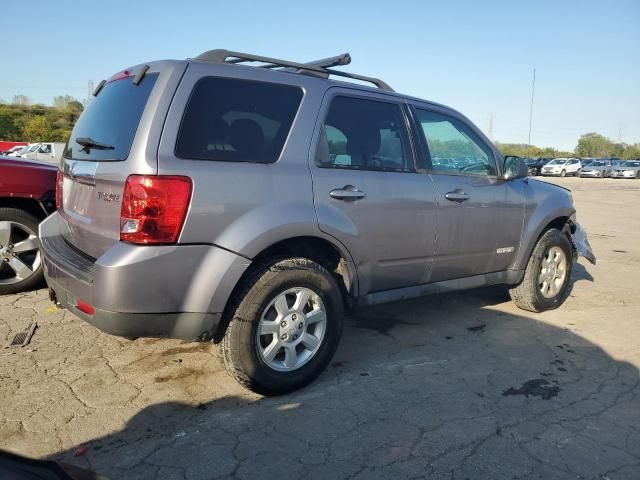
x=89, y=143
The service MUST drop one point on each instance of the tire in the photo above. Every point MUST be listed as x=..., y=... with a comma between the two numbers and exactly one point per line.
x=578, y=172
x=19, y=227
x=245, y=354
x=528, y=294
x=563, y=173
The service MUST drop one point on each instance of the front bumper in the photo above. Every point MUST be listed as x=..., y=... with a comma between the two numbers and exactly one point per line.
x=581, y=242
x=174, y=291
x=591, y=173
x=623, y=175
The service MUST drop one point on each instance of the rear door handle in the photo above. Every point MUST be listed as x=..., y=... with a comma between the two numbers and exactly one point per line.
x=348, y=192
x=458, y=195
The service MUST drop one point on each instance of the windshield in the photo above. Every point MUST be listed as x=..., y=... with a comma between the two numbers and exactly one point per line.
x=105, y=130
x=597, y=164
x=632, y=164
x=558, y=161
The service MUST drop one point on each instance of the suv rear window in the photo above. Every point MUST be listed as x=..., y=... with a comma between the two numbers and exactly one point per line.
x=112, y=119
x=237, y=120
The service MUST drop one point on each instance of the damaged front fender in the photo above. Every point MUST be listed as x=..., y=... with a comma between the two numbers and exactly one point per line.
x=581, y=242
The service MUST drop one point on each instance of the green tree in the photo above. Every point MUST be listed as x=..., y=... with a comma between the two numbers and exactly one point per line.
x=595, y=145
x=37, y=129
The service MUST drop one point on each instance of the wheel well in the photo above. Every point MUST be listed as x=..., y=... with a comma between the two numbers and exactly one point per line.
x=558, y=223
x=317, y=249
x=29, y=205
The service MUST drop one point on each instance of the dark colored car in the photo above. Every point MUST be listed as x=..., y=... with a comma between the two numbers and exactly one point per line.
x=534, y=165
x=27, y=196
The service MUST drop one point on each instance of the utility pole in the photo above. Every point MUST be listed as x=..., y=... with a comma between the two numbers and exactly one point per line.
x=491, y=129
x=533, y=87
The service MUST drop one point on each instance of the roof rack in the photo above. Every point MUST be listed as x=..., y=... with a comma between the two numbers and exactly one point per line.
x=317, y=67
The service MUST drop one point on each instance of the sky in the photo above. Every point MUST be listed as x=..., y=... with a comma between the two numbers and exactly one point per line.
x=475, y=56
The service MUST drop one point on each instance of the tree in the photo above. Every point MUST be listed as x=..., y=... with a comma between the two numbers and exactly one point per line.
x=62, y=101
x=21, y=100
x=37, y=130
x=595, y=145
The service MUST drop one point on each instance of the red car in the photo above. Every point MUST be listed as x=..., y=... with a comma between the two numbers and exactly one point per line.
x=27, y=196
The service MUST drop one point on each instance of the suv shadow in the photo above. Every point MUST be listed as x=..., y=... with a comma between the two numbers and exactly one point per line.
x=442, y=386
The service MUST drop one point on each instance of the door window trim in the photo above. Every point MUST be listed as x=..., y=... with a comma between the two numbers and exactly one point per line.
x=331, y=94
x=425, y=153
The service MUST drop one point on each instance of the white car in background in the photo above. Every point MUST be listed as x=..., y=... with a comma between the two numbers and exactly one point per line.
x=24, y=150
x=561, y=167
x=46, y=152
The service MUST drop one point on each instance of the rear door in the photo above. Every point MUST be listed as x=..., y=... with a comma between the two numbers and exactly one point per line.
x=367, y=192
x=480, y=216
x=126, y=119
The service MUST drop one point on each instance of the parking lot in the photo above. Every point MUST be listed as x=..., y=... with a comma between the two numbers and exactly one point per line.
x=461, y=385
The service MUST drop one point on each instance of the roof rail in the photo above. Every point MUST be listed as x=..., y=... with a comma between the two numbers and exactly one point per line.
x=317, y=67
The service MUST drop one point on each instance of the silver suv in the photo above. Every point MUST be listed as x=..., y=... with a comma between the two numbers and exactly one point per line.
x=249, y=200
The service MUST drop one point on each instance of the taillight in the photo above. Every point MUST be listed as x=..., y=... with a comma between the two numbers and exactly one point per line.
x=59, y=180
x=154, y=208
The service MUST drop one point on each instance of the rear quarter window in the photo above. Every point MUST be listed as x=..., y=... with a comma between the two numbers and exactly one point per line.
x=112, y=119
x=236, y=120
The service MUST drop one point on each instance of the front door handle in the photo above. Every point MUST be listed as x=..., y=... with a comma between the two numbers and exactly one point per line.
x=348, y=192
x=458, y=195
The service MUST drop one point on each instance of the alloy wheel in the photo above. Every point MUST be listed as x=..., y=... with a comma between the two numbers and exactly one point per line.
x=19, y=252
x=553, y=272
x=291, y=329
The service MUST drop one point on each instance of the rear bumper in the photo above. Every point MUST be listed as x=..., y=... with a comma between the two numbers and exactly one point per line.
x=590, y=173
x=186, y=326
x=174, y=291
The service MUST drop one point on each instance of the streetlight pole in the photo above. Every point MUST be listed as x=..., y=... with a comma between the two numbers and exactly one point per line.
x=533, y=87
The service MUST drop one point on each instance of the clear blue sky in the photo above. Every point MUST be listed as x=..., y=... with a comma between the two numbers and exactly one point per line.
x=476, y=56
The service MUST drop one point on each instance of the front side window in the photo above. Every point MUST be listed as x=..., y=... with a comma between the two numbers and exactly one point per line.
x=453, y=147
x=234, y=120
x=365, y=135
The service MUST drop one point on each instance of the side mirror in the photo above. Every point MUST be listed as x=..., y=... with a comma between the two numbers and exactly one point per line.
x=514, y=167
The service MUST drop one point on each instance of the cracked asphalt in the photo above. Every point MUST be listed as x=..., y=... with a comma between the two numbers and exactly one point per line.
x=456, y=386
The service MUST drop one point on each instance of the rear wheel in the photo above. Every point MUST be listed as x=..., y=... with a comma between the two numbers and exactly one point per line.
x=578, y=172
x=20, y=259
x=285, y=325
x=563, y=173
x=545, y=285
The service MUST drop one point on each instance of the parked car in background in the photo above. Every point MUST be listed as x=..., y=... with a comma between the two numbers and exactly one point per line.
x=32, y=147
x=47, y=152
x=534, y=165
x=561, y=167
x=628, y=169
x=6, y=146
x=27, y=196
x=595, y=168
x=12, y=150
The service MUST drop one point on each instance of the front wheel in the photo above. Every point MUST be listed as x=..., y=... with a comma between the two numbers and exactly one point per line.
x=563, y=173
x=285, y=325
x=545, y=285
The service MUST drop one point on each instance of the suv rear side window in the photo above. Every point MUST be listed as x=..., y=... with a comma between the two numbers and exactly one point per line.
x=236, y=120
x=112, y=119
x=365, y=135
x=453, y=147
